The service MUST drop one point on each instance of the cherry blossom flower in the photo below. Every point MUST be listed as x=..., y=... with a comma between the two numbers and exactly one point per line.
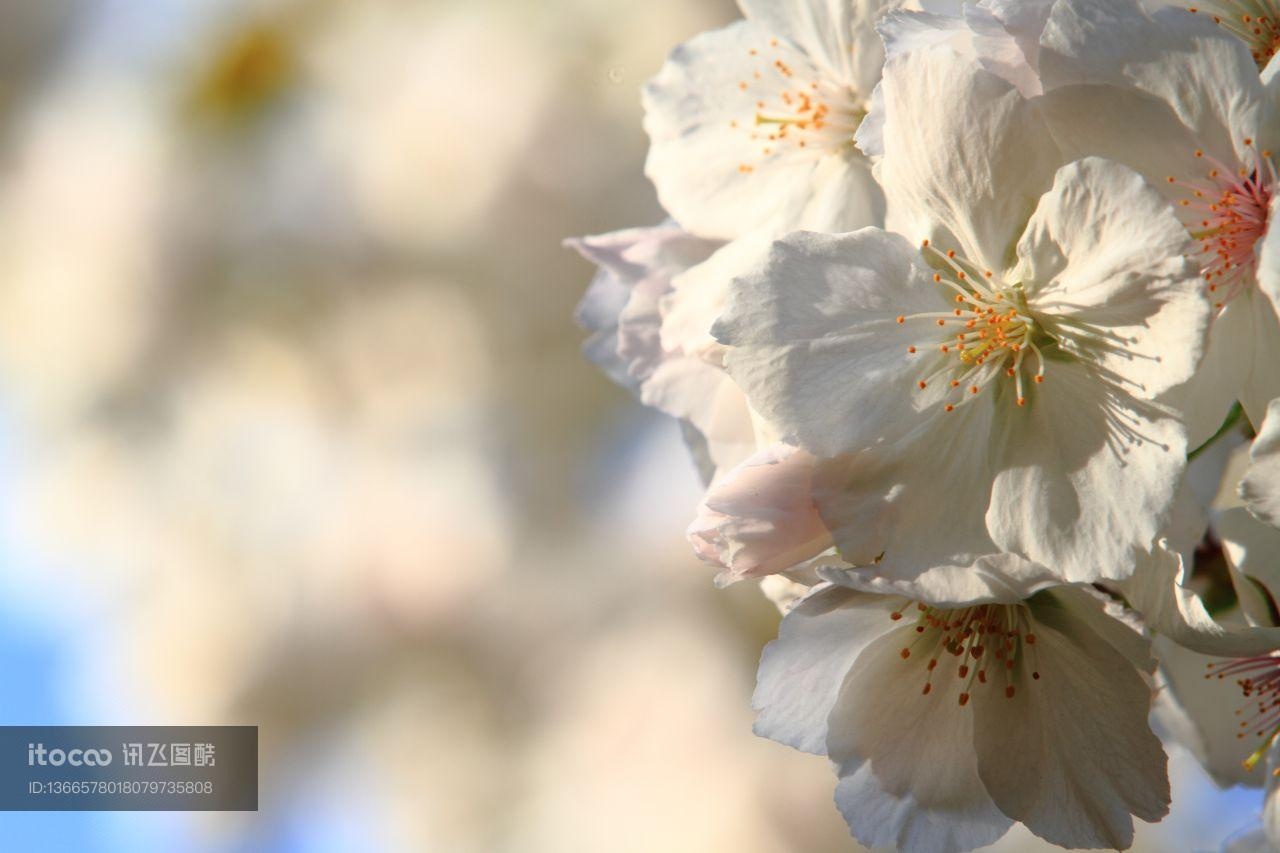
x=752, y=126
x=967, y=414
x=1191, y=113
x=948, y=724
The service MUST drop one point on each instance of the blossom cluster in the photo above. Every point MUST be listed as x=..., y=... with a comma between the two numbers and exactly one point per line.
x=969, y=315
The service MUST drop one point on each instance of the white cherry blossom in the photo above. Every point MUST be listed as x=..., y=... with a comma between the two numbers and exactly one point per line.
x=967, y=415
x=947, y=725
x=1188, y=110
x=752, y=126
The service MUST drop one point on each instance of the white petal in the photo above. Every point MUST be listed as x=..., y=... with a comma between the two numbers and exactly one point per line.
x=815, y=341
x=711, y=174
x=1003, y=578
x=1071, y=754
x=881, y=818
x=1210, y=704
x=906, y=31
x=906, y=760
x=1122, y=123
x=1261, y=485
x=1203, y=73
x=1105, y=260
x=1119, y=627
x=1086, y=477
x=1206, y=398
x=895, y=514
x=1024, y=20
x=698, y=296
x=1262, y=373
x=1156, y=591
x=783, y=591
x=1007, y=40
x=966, y=156
x=845, y=196
x=1252, y=547
x=801, y=672
x=704, y=396
x=838, y=34
x=1268, y=249
x=1187, y=523
x=896, y=508
x=1003, y=38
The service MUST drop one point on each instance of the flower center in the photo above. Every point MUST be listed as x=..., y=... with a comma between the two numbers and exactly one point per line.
x=1260, y=682
x=1256, y=22
x=985, y=643
x=808, y=116
x=1227, y=214
x=986, y=336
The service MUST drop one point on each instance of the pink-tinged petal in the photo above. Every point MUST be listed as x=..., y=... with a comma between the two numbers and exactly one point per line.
x=621, y=308
x=760, y=518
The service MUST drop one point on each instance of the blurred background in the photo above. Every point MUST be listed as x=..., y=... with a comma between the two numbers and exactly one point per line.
x=295, y=432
